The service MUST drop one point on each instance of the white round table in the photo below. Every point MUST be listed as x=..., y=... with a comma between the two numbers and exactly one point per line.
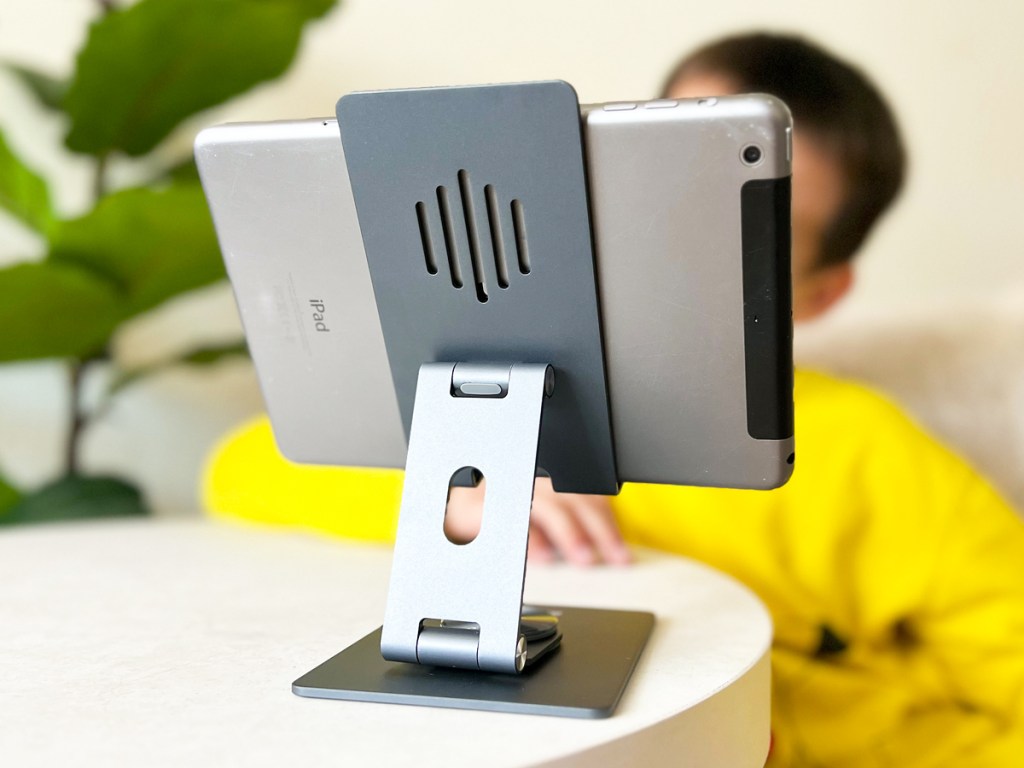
x=171, y=643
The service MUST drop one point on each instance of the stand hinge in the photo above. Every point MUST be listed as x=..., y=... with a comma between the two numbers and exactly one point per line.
x=456, y=644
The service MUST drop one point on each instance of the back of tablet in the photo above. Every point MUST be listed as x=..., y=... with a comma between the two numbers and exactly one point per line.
x=286, y=223
x=693, y=281
x=689, y=207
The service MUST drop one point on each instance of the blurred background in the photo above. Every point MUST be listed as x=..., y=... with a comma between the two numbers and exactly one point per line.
x=936, y=318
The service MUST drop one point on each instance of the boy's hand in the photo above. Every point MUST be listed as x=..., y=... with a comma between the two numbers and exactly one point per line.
x=579, y=528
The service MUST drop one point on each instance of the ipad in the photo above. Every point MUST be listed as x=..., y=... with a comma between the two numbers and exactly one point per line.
x=691, y=239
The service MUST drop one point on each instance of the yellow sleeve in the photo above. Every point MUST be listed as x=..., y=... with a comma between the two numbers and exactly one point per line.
x=246, y=478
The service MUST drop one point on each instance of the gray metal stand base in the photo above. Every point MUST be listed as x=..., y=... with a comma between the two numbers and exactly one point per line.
x=584, y=678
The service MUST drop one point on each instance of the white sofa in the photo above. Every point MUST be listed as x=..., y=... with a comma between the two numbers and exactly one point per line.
x=959, y=371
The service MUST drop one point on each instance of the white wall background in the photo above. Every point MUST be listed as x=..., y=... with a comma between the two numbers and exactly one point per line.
x=952, y=70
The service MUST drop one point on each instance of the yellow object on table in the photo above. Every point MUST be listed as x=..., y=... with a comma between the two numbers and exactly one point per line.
x=246, y=478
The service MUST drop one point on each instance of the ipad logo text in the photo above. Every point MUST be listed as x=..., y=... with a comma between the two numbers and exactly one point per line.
x=318, y=316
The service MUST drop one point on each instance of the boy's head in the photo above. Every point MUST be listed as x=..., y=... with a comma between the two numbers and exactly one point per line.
x=848, y=159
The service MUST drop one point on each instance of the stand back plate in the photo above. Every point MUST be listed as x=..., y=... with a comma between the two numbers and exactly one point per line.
x=472, y=203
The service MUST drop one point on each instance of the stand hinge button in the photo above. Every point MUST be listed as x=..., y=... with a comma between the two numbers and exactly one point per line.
x=449, y=644
x=457, y=644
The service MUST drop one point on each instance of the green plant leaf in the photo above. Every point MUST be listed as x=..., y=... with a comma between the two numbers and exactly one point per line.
x=55, y=310
x=180, y=173
x=75, y=497
x=145, y=68
x=215, y=353
x=23, y=193
x=9, y=496
x=136, y=249
x=151, y=244
x=202, y=356
x=50, y=91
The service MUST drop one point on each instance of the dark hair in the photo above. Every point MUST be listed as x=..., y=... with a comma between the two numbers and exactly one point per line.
x=830, y=99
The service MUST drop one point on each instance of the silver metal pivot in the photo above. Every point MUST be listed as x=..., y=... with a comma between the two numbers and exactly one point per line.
x=459, y=605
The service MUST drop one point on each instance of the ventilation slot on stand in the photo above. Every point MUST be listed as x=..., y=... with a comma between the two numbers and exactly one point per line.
x=449, y=236
x=497, y=244
x=474, y=239
x=519, y=224
x=428, y=248
x=496, y=226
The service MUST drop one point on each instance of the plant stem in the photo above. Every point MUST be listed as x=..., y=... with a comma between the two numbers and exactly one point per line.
x=78, y=417
x=99, y=178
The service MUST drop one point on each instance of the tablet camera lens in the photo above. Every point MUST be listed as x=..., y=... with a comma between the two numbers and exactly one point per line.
x=751, y=154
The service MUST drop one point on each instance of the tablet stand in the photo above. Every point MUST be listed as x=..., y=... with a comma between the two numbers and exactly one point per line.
x=473, y=211
x=459, y=606
x=454, y=608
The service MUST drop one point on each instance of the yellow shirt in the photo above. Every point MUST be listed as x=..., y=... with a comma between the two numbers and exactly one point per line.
x=894, y=575
x=893, y=572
